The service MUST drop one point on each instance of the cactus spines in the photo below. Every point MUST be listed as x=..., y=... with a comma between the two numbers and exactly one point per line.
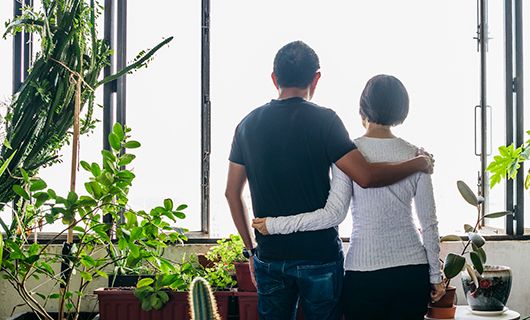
x=202, y=301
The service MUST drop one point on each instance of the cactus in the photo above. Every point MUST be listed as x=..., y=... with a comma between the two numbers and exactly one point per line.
x=202, y=301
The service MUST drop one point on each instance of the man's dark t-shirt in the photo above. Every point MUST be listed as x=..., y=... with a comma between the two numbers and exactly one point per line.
x=287, y=147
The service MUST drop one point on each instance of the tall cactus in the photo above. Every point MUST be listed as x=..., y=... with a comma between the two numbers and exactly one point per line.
x=202, y=301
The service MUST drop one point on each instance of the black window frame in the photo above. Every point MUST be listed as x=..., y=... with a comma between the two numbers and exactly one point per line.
x=115, y=104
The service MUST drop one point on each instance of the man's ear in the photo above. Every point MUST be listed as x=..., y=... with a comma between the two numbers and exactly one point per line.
x=315, y=80
x=313, y=84
x=275, y=81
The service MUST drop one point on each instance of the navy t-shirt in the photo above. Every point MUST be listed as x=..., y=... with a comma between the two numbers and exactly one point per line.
x=287, y=148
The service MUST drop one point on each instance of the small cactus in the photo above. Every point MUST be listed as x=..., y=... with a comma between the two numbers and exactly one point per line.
x=202, y=301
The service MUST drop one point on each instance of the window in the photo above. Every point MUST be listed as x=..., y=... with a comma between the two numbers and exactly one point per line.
x=429, y=46
x=433, y=54
x=164, y=106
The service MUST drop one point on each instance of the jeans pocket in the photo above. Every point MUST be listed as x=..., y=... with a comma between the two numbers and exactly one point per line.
x=267, y=279
x=321, y=283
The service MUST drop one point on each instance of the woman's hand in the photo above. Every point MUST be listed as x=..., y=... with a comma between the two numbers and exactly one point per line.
x=260, y=225
x=437, y=291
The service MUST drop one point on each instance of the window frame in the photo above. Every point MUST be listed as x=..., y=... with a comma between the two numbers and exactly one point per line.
x=115, y=104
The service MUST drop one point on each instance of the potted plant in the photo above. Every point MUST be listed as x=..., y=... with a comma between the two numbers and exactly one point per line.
x=486, y=287
x=24, y=259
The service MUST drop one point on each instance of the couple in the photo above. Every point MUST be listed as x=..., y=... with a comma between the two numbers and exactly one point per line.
x=285, y=150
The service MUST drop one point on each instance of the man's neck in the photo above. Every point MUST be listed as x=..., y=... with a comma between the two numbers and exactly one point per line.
x=286, y=93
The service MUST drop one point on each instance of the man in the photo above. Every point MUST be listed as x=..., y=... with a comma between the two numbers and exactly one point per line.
x=285, y=149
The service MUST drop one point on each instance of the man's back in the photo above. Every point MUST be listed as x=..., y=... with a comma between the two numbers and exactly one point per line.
x=287, y=147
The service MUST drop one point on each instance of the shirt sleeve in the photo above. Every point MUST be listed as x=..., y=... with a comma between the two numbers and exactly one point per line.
x=331, y=215
x=426, y=211
x=236, y=154
x=338, y=142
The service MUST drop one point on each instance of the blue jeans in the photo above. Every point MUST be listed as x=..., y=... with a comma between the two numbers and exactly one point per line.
x=284, y=284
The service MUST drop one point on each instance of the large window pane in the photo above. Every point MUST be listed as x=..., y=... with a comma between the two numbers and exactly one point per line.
x=433, y=54
x=163, y=105
x=496, y=100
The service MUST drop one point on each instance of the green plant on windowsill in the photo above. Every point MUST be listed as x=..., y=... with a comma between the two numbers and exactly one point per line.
x=153, y=292
x=144, y=233
x=473, y=247
x=508, y=162
x=223, y=255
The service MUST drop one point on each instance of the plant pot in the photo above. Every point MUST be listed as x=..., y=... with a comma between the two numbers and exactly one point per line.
x=448, y=300
x=121, y=304
x=441, y=313
x=55, y=315
x=244, y=279
x=493, y=290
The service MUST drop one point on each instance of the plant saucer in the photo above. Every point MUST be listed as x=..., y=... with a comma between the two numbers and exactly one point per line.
x=488, y=313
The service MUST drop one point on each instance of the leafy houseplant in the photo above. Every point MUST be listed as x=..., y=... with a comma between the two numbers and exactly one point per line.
x=221, y=273
x=508, y=162
x=67, y=68
x=143, y=232
x=476, y=284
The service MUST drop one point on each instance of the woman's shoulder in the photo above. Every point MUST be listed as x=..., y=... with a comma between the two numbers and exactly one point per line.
x=372, y=147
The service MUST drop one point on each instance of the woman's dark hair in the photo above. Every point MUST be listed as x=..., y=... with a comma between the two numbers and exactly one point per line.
x=384, y=101
x=295, y=65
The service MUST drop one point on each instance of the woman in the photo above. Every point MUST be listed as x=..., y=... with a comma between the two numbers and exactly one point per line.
x=392, y=269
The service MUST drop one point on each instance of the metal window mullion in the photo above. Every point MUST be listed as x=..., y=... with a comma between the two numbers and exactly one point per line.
x=519, y=113
x=509, y=89
x=205, y=117
x=17, y=51
x=121, y=62
x=109, y=89
x=483, y=41
x=28, y=46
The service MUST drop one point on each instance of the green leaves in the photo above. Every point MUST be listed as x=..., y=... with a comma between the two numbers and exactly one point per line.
x=467, y=194
x=477, y=262
x=477, y=240
x=114, y=142
x=144, y=282
x=453, y=265
x=132, y=144
x=498, y=214
x=21, y=192
x=450, y=237
x=507, y=163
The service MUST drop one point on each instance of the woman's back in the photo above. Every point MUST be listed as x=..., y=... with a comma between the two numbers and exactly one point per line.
x=384, y=233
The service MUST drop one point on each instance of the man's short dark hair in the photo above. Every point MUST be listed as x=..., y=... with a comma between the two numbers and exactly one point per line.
x=295, y=65
x=384, y=101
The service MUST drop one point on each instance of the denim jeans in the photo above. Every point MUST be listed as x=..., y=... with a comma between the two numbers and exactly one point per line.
x=284, y=284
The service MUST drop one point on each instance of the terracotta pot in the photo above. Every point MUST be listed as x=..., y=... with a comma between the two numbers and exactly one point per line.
x=121, y=304
x=441, y=313
x=493, y=290
x=244, y=280
x=448, y=300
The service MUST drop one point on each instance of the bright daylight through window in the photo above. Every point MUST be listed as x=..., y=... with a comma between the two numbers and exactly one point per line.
x=434, y=54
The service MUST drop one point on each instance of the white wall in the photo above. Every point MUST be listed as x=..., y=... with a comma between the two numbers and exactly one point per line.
x=515, y=254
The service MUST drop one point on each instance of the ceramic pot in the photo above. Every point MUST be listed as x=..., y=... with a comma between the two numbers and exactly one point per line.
x=494, y=286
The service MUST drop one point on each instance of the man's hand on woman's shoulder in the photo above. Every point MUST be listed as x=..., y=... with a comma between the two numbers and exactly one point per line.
x=428, y=159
